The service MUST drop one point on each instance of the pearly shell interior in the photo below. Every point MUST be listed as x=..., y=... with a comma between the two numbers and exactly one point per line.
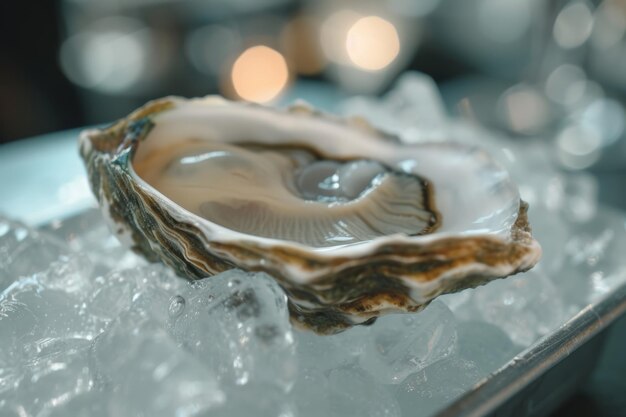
x=290, y=193
x=266, y=178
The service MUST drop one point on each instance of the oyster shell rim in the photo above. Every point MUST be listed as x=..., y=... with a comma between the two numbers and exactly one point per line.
x=295, y=264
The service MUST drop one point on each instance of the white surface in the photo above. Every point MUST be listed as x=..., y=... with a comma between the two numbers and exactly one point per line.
x=42, y=178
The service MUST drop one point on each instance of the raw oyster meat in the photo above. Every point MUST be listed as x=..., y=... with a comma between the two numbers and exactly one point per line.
x=351, y=222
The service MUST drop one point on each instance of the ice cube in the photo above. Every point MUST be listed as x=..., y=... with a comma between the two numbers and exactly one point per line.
x=310, y=392
x=11, y=370
x=72, y=274
x=402, y=344
x=237, y=323
x=590, y=270
x=258, y=400
x=40, y=315
x=146, y=287
x=351, y=392
x=89, y=404
x=30, y=312
x=581, y=194
x=54, y=376
x=488, y=346
x=413, y=109
x=342, y=391
x=551, y=231
x=156, y=286
x=431, y=389
x=25, y=251
x=317, y=355
x=525, y=306
x=42, y=334
x=89, y=234
x=331, y=351
x=149, y=374
x=10, y=408
x=112, y=294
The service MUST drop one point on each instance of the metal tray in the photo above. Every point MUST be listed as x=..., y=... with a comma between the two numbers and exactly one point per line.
x=542, y=377
x=43, y=180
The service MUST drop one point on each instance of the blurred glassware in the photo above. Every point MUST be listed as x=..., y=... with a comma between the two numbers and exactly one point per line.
x=113, y=55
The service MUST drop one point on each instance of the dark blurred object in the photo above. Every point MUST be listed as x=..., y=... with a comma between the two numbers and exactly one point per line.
x=35, y=96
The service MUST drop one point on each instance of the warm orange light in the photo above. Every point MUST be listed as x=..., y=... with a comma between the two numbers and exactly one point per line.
x=259, y=74
x=372, y=43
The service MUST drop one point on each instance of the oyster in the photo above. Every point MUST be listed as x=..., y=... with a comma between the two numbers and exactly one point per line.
x=351, y=222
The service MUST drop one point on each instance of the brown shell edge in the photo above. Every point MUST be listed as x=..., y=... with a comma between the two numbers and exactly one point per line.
x=361, y=290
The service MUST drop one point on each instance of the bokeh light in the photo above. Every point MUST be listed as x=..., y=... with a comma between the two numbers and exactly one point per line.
x=526, y=110
x=566, y=84
x=573, y=25
x=578, y=146
x=259, y=74
x=372, y=43
x=111, y=57
x=605, y=117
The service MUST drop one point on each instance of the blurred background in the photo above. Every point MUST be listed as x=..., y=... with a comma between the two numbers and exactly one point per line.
x=537, y=70
x=550, y=71
x=530, y=69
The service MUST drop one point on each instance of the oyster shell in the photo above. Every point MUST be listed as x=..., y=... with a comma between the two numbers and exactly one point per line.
x=351, y=222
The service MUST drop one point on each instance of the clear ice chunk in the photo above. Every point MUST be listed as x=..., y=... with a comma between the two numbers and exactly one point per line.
x=310, y=392
x=237, y=324
x=589, y=270
x=25, y=251
x=44, y=334
x=72, y=274
x=402, y=344
x=54, y=378
x=431, y=389
x=414, y=110
x=351, y=392
x=581, y=203
x=332, y=351
x=146, y=287
x=149, y=374
x=552, y=231
x=258, y=400
x=525, y=306
x=342, y=391
x=30, y=313
x=489, y=346
x=10, y=408
x=89, y=404
x=89, y=234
